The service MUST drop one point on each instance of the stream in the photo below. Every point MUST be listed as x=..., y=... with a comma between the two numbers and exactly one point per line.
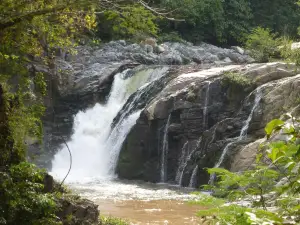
x=141, y=203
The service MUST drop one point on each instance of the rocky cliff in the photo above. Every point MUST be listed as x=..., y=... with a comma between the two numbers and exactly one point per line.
x=208, y=109
x=77, y=82
x=210, y=118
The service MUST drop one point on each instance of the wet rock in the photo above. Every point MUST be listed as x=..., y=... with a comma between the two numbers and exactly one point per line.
x=48, y=183
x=212, y=126
x=246, y=157
x=76, y=211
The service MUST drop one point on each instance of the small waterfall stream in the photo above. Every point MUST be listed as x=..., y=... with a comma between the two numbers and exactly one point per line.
x=206, y=105
x=186, y=156
x=164, y=153
x=182, y=162
x=243, y=132
x=94, y=144
x=192, y=183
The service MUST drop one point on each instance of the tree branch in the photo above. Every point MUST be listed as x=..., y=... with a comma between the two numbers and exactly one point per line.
x=29, y=16
x=155, y=11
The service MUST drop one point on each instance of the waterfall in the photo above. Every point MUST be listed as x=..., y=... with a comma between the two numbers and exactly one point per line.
x=164, y=154
x=94, y=144
x=193, y=177
x=243, y=132
x=185, y=154
x=182, y=161
x=205, y=105
x=186, y=157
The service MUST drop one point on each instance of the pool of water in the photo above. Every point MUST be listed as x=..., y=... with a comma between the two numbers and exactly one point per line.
x=141, y=203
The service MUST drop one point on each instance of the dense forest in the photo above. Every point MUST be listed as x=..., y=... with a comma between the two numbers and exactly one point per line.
x=36, y=30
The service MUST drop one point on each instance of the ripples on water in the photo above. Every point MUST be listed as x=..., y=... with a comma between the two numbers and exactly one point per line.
x=139, y=202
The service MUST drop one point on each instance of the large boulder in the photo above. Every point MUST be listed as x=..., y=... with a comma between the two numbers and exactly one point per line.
x=199, y=117
x=77, y=211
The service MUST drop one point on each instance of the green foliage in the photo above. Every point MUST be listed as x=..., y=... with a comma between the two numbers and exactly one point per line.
x=262, y=44
x=23, y=120
x=215, y=21
x=33, y=30
x=30, y=30
x=112, y=221
x=130, y=21
x=22, y=197
x=279, y=16
x=267, y=194
x=273, y=125
x=236, y=83
x=229, y=21
x=291, y=55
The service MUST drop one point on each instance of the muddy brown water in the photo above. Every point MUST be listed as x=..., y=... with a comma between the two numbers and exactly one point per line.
x=154, y=212
x=142, y=203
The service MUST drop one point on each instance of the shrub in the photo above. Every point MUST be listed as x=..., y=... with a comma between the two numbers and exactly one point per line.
x=271, y=189
x=290, y=54
x=262, y=44
x=22, y=197
x=236, y=83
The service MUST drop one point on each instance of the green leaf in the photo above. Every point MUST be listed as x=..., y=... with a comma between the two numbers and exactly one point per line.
x=273, y=126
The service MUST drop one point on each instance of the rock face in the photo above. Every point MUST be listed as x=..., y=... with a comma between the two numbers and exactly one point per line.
x=77, y=82
x=205, y=122
x=72, y=210
x=78, y=212
x=191, y=119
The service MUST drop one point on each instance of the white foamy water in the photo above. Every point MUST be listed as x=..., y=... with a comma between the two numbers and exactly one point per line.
x=94, y=146
x=164, y=154
x=192, y=183
x=131, y=190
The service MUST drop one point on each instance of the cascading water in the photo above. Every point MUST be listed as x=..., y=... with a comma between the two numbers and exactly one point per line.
x=182, y=161
x=206, y=105
x=164, y=154
x=244, y=130
x=185, y=154
x=186, y=157
x=192, y=183
x=95, y=146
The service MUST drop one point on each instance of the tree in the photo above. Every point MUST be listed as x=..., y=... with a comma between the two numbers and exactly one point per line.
x=214, y=21
x=282, y=17
x=32, y=31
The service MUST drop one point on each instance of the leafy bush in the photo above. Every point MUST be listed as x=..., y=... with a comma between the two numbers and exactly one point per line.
x=236, y=83
x=267, y=194
x=262, y=44
x=236, y=79
x=289, y=53
x=22, y=197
